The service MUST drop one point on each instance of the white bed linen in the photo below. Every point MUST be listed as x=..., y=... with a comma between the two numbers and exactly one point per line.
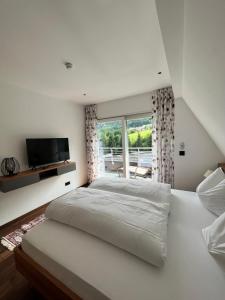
x=134, y=224
x=87, y=265
x=210, y=181
x=214, y=236
x=214, y=198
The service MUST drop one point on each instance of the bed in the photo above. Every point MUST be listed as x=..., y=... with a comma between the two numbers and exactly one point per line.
x=66, y=263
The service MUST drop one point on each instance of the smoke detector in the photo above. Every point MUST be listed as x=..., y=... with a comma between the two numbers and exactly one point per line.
x=68, y=65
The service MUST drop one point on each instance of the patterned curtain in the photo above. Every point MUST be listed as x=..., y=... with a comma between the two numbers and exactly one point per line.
x=91, y=141
x=163, y=135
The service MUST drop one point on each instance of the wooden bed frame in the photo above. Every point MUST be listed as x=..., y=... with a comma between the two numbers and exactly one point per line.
x=40, y=279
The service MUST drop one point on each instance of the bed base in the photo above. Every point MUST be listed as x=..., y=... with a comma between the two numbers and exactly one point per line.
x=40, y=279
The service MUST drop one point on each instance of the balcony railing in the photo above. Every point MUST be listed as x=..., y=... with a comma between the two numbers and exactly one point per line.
x=139, y=156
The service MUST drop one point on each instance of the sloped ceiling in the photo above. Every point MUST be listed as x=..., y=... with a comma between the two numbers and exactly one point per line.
x=201, y=49
x=171, y=24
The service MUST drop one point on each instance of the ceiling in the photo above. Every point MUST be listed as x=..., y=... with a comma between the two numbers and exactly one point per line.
x=195, y=51
x=171, y=18
x=115, y=46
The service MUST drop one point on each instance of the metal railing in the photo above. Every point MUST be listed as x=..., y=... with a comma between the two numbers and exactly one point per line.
x=141, y=156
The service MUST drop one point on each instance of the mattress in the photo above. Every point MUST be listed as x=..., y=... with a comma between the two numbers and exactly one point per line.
x=97, y=270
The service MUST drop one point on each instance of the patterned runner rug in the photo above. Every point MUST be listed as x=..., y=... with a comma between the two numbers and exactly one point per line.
x=13, y=239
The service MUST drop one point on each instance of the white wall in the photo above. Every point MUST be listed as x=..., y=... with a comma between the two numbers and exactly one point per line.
x=193, y=35
x=126, y=106
x=26, y=114
x=204, y=65
x=201, y=152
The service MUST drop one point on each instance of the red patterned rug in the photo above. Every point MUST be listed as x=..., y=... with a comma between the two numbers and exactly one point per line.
x=13, y=239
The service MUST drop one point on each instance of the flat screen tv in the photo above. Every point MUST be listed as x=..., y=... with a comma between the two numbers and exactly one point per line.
x=47, y=151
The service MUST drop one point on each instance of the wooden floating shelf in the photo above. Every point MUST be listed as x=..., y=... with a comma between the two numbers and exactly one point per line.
x=10, y=183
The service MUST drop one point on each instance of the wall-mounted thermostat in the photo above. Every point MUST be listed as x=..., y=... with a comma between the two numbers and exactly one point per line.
x=182, y=149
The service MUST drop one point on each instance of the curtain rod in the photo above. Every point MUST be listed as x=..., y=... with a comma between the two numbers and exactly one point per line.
x=127, y=115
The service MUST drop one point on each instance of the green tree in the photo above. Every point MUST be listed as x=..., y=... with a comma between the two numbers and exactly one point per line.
x=112, y=137
x=139, y=140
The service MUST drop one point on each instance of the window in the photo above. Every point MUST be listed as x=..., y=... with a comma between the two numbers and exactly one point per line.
x=125, y=147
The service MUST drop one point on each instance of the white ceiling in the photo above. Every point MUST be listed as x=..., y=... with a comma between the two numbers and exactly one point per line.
x=196, y=57
x=204, y=65
x=171, y=17
x=115, y=46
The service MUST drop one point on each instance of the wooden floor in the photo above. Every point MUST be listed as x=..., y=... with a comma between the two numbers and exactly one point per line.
x=13, y=286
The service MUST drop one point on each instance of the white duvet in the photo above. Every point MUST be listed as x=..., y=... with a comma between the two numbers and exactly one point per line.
x=157, y=192
x=134, y=224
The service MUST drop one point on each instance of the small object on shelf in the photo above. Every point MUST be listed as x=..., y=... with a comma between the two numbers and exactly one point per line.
x=10, y=166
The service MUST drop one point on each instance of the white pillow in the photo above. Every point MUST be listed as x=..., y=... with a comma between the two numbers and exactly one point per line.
x=214, y=236
x=212, y=180
x=214, y=198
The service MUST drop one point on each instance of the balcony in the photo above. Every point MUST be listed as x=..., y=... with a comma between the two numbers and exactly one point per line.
x=111, y=162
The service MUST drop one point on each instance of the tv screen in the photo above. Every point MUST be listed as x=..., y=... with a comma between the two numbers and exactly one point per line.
x=46, y=151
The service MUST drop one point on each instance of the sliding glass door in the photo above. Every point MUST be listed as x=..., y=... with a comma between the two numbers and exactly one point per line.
x=125, y=147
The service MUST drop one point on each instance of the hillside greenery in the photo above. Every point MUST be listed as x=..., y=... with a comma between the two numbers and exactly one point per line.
x=139, y=133
x=141, y=138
